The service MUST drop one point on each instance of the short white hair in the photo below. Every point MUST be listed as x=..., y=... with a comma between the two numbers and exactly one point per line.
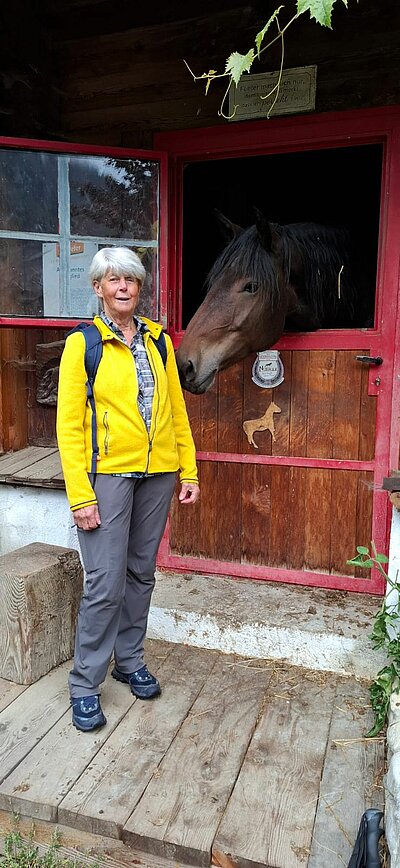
x=120, y=260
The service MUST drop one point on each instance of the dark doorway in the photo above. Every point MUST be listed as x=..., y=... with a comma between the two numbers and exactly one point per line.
x=332, y=186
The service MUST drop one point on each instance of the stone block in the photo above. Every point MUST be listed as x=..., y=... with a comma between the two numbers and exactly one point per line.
x=40, y=591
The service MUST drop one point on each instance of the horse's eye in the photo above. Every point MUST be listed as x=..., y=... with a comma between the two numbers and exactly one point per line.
x=250, y=287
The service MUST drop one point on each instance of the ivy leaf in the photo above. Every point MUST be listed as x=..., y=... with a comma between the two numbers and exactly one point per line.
x=261, y=34
x=381, y=559
x=362, y=550
x=237, y=64
x=321, y=10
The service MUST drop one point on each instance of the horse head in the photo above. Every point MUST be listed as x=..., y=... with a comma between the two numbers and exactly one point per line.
x=268, y=278
x=244, y=309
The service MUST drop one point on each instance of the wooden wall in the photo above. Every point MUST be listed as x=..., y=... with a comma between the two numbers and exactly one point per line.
x=112, y=71
x=25, y=354
x=121, y=87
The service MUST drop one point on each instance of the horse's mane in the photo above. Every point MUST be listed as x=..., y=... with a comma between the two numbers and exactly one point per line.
x=327, y=285
x=325, y=282
x=245, y=255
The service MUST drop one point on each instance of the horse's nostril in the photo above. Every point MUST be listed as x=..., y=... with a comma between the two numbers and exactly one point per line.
x=186, y=371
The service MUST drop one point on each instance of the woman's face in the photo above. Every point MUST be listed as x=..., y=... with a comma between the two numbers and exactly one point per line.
x=120, y=295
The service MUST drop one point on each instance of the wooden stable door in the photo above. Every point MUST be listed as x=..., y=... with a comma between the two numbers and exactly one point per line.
x=293, y=505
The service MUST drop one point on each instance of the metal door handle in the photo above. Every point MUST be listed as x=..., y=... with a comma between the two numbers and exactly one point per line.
x=370, y=360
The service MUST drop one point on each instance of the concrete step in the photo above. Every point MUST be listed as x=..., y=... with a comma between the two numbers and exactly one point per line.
x=311, y=627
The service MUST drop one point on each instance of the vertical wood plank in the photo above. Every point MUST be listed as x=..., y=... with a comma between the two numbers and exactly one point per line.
x=297, y=511
x=230, y=409
x=209, y=414
x=280, y=522
x=299, y=403
x=347, y=401
x=364, y=511
x=256, y=514
x=14, y=389
x=209, y=508
x=228, y=511
x=317, y=548
x=320, y=404
x=184, y=525
x=193, y=407
x=343, y=520
x=367, y=419
x=281, y=397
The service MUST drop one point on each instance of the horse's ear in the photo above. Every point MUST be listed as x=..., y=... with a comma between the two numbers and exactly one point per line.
x=267, y=231
x=230, y=230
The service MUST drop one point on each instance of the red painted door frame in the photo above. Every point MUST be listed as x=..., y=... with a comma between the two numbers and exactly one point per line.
x=333, y=130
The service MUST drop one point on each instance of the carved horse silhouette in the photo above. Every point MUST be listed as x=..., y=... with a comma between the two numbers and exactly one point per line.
x=268, y=278
x=264, y=423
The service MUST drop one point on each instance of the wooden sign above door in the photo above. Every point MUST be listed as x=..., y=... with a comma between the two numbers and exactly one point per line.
x=297, y=89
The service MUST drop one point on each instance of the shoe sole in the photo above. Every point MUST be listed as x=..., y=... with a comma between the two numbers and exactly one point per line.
x=137, y=691
x=95, y=725
x=84, y=728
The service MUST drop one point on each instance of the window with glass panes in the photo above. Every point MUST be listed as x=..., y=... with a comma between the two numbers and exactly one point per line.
x=56, y=211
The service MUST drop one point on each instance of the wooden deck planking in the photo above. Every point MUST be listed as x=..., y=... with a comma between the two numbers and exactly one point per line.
x=34, y=465
x=12, y=462
x=9, y=691
x=29, y=717
x=37, y=786
x=222, y=762
x=181, y=808
x=270, y=815
x=352, y=767
x=43, y=470
x=104, y=797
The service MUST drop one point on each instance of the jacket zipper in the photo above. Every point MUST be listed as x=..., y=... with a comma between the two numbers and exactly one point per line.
x=156, y=390
x=107, y=432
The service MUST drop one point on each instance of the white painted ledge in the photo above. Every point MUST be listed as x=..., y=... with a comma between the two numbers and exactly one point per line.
x=318, y=629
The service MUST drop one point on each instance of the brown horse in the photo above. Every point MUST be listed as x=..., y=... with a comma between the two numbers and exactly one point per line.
x=269, y=278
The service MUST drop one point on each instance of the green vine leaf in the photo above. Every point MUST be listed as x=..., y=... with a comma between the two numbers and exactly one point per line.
x=362, y=550
x=261, y=34
x=237, y=64
x=321, y=10
x=381, y=559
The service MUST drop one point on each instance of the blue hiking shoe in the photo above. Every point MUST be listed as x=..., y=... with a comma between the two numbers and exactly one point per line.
x=87, y=713
x=142, y=683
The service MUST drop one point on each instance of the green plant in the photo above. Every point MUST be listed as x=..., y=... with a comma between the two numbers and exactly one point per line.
x=23, y=853
x=385, y=634
x=237, y=64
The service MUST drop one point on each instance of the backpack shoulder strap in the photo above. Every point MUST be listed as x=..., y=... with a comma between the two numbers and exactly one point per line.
x=161, y=345
x=93, y=348
x=93, y=354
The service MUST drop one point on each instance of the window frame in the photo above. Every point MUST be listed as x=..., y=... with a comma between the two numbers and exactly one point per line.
x=75, y=149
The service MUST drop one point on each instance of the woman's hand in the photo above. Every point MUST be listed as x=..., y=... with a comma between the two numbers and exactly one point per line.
x=87, y=518
x=189, y=492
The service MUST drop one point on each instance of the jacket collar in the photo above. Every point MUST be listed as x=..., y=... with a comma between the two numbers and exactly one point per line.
x=154, y=328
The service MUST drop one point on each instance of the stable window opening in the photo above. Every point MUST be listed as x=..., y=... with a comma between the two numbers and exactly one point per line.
x=336, y=188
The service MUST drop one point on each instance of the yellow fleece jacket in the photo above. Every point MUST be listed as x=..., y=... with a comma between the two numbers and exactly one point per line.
x=124, y=443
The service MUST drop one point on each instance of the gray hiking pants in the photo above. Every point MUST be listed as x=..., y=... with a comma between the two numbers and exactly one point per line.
x=119, y=559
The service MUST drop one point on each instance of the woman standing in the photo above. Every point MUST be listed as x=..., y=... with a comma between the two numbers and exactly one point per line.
x=144, y=438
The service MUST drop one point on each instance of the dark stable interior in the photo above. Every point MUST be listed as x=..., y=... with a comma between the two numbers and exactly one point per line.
x=338, y=187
